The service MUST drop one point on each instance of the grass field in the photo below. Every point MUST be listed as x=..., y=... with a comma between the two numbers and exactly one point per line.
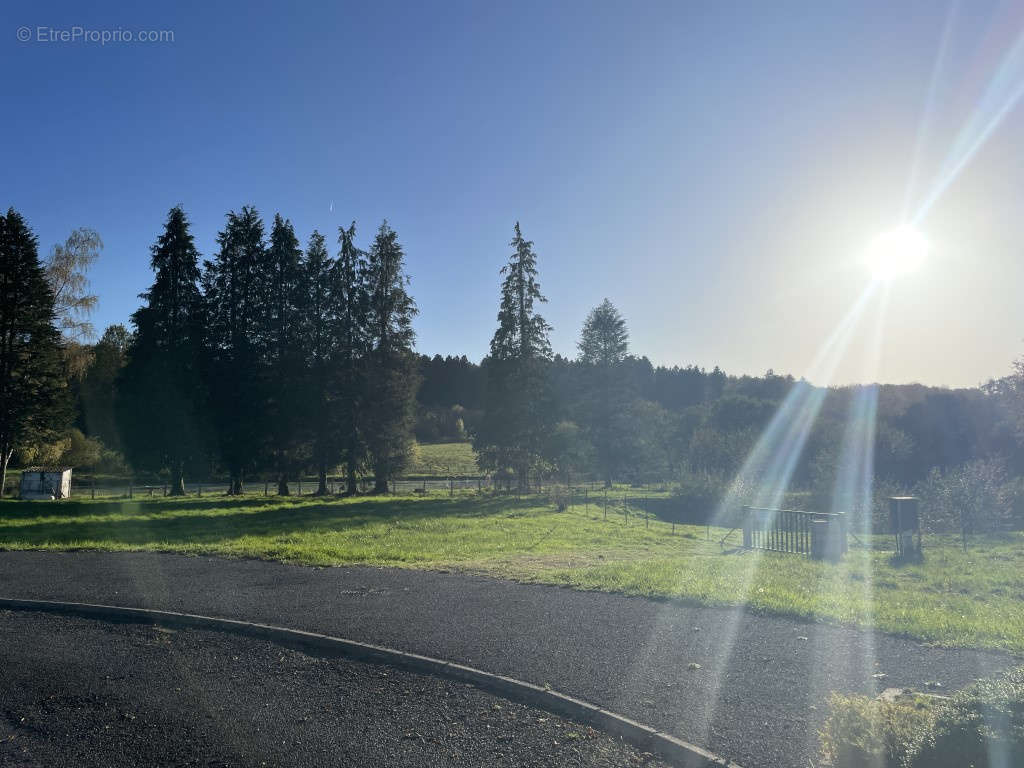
x=972, y=599
x=442, y=460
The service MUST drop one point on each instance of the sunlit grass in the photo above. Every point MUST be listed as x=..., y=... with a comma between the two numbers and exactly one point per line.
x=953, y=598
x=443, y=459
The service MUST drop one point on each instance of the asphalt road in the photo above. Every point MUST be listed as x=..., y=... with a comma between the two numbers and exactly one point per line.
x=83, y=693
x=758, y=696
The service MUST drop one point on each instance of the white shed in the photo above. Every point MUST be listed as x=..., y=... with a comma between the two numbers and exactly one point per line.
x=46, y=483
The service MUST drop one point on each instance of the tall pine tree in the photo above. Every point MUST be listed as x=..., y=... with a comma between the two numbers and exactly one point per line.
x=389, y=398
x=350, y=302
x=318, y=326
x=236, y=298
x=518, y=409
x=286, y=359
x=33, y=378
x=603, y=345
x=161, y=396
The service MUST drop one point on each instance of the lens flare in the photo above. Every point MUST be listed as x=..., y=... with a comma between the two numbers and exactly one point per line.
x=895, y=253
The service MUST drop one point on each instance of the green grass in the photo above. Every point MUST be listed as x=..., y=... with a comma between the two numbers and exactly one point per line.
x=442, y=460
x=953, y=598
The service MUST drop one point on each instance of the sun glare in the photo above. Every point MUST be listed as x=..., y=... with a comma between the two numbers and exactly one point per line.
x=897, y=252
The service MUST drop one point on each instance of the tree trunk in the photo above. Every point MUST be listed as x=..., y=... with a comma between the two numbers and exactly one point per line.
x=321, y=488
x=282, y=486
x=380, y=485
x=235, y=489
x=350, y=478
x=3, y=474
x=177, y=480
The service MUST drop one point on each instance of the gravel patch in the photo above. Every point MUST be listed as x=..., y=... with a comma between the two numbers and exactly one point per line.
x=78, y=692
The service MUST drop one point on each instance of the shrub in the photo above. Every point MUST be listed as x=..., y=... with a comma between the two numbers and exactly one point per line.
x=982, y=726
x=697, y=498
x=970, y=497
x=871, y=733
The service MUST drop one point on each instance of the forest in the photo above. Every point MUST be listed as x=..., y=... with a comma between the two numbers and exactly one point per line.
x=274, y=361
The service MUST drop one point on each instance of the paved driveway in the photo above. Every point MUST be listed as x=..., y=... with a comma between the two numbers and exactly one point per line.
x=758, y=695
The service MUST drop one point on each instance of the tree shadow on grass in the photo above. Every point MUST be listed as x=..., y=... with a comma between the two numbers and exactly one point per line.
x=185, y=523
x=71, y=508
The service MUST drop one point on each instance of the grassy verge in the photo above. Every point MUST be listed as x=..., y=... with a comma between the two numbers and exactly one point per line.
x=953, y=598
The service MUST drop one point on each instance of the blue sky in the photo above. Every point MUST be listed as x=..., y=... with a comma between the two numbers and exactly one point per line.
x=714, y=168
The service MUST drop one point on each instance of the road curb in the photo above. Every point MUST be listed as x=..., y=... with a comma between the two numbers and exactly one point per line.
x=642, y=736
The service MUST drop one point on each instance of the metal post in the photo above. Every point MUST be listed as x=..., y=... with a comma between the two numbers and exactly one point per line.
x=131, y=491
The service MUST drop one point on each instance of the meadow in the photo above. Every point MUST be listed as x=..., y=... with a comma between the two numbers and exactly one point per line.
x=954, y=598
x=442, y=460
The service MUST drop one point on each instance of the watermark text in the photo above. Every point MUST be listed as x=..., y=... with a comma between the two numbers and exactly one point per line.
x=89, y=36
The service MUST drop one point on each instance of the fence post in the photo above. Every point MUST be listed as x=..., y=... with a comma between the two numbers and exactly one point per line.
x=451, y=486
x=199, y=490
x=94, y=489
x=300, y=486
x=266, y=488
x=131, y=490
x=647, y=523
x=747, y=529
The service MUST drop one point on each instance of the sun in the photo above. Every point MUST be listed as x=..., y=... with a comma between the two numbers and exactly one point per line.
x=897, y=252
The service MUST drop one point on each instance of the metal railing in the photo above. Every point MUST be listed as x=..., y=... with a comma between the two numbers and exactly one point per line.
x=790, y=530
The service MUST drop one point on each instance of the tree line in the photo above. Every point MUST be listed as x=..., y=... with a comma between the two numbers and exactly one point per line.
x=266, y=359
x=271, y=360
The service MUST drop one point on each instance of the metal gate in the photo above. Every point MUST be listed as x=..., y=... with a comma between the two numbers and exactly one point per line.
x=788, y=530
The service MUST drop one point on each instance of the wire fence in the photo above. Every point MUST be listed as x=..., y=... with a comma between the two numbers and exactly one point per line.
x=124, y=488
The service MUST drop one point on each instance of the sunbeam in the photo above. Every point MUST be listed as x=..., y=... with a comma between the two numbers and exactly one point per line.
x=1004, y=91
x=770, y=466
x=924, y=127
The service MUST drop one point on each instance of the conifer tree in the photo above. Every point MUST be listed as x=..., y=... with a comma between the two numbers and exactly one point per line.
x=319, y=325
x=286, y=359
x=387, y=412
x=161, y=397
x=33, y=378
x=603, y=345
x=236, y=300
x=350, y=302
x=518, y=411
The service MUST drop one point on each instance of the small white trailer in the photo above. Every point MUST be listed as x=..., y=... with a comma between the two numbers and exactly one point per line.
x=45, y=483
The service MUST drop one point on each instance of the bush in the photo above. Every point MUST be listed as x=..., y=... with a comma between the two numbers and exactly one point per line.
x=982, y=726
x=979, y=727
x=697, y=499
x=971, y=497
x=871, y=733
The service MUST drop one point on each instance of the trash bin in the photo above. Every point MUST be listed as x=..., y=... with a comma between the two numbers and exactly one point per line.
x=904, y=524
x=827, y=538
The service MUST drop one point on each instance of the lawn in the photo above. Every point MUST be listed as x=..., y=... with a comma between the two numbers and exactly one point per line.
x=969, y=599
x=442, y=460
